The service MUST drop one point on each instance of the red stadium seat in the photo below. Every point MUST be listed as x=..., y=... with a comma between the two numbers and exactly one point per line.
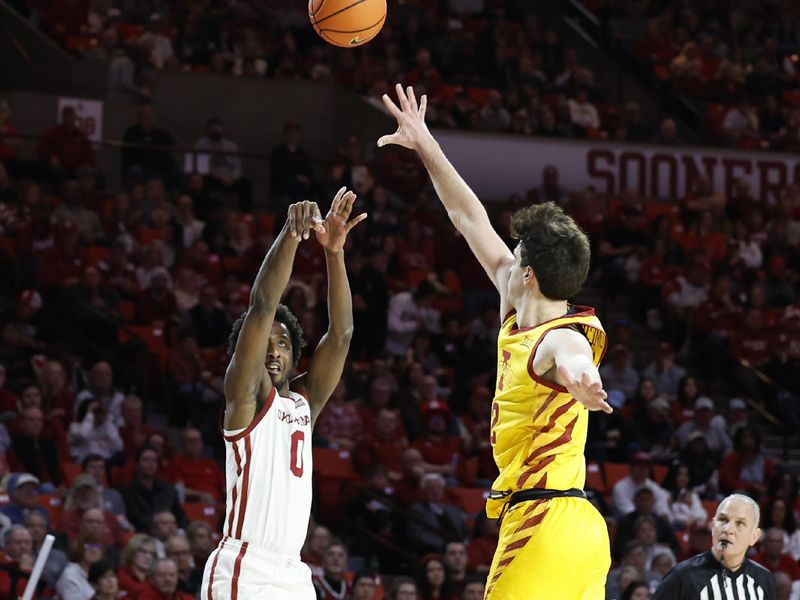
x=207, y=513
x=52, y=504
x=711, y=507
x=594, y=477
x=615, y=472
x=331, y=462
x=71, y=471
x=470, y=500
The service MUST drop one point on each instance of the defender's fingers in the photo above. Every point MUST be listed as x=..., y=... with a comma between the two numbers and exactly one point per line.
x=565, y=376
x=388, y=139
x=423, y=106
x=355, y=221
x=401, y=97
x=337, y=199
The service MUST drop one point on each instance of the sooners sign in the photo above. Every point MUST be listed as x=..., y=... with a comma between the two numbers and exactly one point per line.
x=497, y=166
x=89, y=115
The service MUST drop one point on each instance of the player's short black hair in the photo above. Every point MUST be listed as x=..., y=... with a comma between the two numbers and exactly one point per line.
x=282, y=315
x=142, y=449
x=554, y=246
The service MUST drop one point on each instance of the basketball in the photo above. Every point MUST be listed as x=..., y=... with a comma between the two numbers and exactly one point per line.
x=347, y=23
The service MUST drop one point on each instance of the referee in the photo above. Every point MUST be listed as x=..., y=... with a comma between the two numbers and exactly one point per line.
x=723, y=572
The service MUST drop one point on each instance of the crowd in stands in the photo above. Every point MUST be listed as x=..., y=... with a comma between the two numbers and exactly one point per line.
x=738, y=61
x=116, y=306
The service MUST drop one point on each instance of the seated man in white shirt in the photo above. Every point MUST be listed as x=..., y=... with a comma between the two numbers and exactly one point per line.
x=624, y=489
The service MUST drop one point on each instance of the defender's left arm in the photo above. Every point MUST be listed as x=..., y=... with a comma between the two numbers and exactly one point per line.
x=572, y=356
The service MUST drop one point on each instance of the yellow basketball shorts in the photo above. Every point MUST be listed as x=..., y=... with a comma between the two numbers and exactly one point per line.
x=553, y=549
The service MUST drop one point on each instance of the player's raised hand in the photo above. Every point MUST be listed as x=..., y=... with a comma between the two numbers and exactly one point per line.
x=336, y=225
x=303, y=217
x=587, y=390
x=411, y=129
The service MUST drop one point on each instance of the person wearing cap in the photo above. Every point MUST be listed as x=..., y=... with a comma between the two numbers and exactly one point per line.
x=666, y=375
x=723, y=571
x=737, y=416
x=441, y=451
x=625, y=488
x=157, y=45
x=704, y=421
x=619, y=374
x=84, y=496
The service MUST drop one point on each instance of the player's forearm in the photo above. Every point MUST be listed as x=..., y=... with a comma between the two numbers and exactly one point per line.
x=273, y=276
x=340, y=301
x=458, y=199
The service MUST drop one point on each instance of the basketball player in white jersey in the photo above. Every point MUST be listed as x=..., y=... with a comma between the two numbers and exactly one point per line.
x=268, y=419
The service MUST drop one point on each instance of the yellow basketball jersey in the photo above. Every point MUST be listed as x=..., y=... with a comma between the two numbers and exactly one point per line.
x=538, y=429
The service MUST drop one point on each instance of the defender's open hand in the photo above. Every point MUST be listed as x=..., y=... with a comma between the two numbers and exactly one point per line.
x=586, y=391
x=411, y=129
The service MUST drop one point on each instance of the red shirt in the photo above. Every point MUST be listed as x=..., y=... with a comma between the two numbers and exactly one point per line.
x=129, y=583
x=72, y=148
x=201, y=474
x=388, y=453
x=786, y=564
x=753, y=347
x=71, y=524
x=152, y=593
x=438, y=452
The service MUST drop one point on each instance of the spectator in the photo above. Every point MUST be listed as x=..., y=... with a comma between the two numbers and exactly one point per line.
x=189, y=577
x=441, y=452
x=36, y=523
x=340, y=424
x=644, y=532
x=702, y=465
x=432, y=579
x=704, y=422
x=94, y=432
x=208, y=321
x=636, y=590
x=154, y=159
x=31, y=453
x=480, y=550
x=134, y=431
x=103, y=579
x=667, y=133
x=741, y=121
x=92, y=306
x=621, y=579
x=101, y=388
x=16, y=562
x=455, y=559
x=188, y=372
x=363, y=586
x=162, y=528
x=633, y=557
x=315, y=548
x=72, y=210
x=494, y=117
x=433, y=521
x=146, y=495
x=403, y=588
x=291, y=168
x=551, y=190
x=408, y=488
x=201, y=477
x=164, y=582
x=74, y=581
x=65, y=148
x=156, y=305
x=773, y=555
x=626, y=488
x=746, y=469
x=83, y=510
x=22, y=490
x=94, y=465
x=137, y=560
x=222, y=166
x=737, y=417
x=156, y=43
x=685, y=508
x=331, y=584
x=474, y=588
x=408, y=312
x=582, y=112
x=201, y=541
x=619, y=374
x=664, y=372
x=644, y=502
x=778, y=514
x=190, y=228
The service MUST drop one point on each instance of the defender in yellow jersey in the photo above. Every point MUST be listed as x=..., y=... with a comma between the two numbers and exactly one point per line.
x=553, y=543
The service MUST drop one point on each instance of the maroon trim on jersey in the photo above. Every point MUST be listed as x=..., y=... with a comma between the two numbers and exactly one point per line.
x=237, y=568
x=580, y=311
x=235, y=492
x=245, y=484
x=214, y=568
x=551, y=384
x=256, y=420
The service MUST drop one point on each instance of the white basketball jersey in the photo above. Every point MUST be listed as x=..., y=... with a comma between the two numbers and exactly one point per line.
x=268, y=476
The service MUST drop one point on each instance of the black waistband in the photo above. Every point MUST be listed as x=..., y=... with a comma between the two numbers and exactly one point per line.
x=526, y=495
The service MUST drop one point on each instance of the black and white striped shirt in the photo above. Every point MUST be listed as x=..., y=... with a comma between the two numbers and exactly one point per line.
x=703, y=577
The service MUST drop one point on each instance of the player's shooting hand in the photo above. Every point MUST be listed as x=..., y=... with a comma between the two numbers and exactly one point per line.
x=411, y=129
x=336, y=226
x=303, y=217
x=586, y=390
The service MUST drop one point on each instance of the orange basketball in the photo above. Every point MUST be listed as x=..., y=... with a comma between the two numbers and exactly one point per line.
x=347, y=23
